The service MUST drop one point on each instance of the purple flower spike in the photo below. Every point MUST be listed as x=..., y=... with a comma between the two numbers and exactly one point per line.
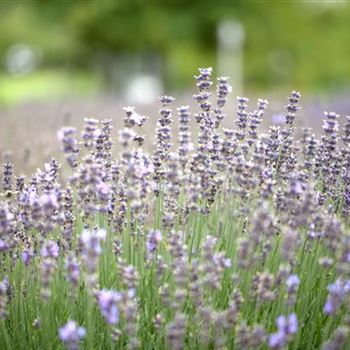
x=285, y=326
x=3, y=246
x=27, y=257
x=328, y=308
x=91, y=242
x=50, y=249
x=337, y=293
x=292, y=327
x=153, y=238
x=71, y=334
x=277, y=340
x=108, y=303
x=292, y=283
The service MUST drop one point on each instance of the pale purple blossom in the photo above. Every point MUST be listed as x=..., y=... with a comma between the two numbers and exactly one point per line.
x=50, y=249
x=91, y=249
x=71, y=334
x=73, y=270
x=91, y=242
x=4, y=298
x=277, y=340
x=292, y=282
x=27, y=257
x=49, y=201
x=337, y=293
x=108, y=302
x=153, y=238
x=285, y=327
x=3, y=245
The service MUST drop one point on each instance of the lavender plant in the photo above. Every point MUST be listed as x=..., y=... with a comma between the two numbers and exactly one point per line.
x=233, y=239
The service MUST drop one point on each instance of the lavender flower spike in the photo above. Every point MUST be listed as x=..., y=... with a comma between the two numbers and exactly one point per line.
x=337, y=293
x=108, y=303
x=50, y=249
x=153, y=238
x=90, y=240
x=4, y=287
x=71, y=334
x=292, y=282
x=286, y=326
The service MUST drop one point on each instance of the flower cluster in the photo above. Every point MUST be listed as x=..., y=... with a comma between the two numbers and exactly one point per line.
x=198, y=242
x=108, y=303
x=286, y=326
x=71, y=334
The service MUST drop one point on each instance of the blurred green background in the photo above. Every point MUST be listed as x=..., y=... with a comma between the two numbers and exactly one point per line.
x=50, y=49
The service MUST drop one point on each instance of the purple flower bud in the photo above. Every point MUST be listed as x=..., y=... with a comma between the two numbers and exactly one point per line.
x=27, y=257
x=153, y=238
x=285, y=326
x=70, y=334
x=277, y=340
x=49, y=202
x=103, y=188
x=73, y=270
x=165, y=100
x=3, y=245
x=4, y=297
x=328, y=307
x=292, y=327
x=90, y=241
x=132, y=118
x=69, y=144
x=337, y=293
x=108, y=303
x=50, y=249
x=288, y=325
x=292, y=282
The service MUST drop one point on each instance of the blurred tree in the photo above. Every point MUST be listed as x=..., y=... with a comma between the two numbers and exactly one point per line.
x=300, y=43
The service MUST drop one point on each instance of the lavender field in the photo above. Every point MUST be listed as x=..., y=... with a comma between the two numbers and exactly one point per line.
x=225, y=235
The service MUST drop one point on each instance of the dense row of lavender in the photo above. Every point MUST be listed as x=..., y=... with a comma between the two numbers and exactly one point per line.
x=227, y=239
